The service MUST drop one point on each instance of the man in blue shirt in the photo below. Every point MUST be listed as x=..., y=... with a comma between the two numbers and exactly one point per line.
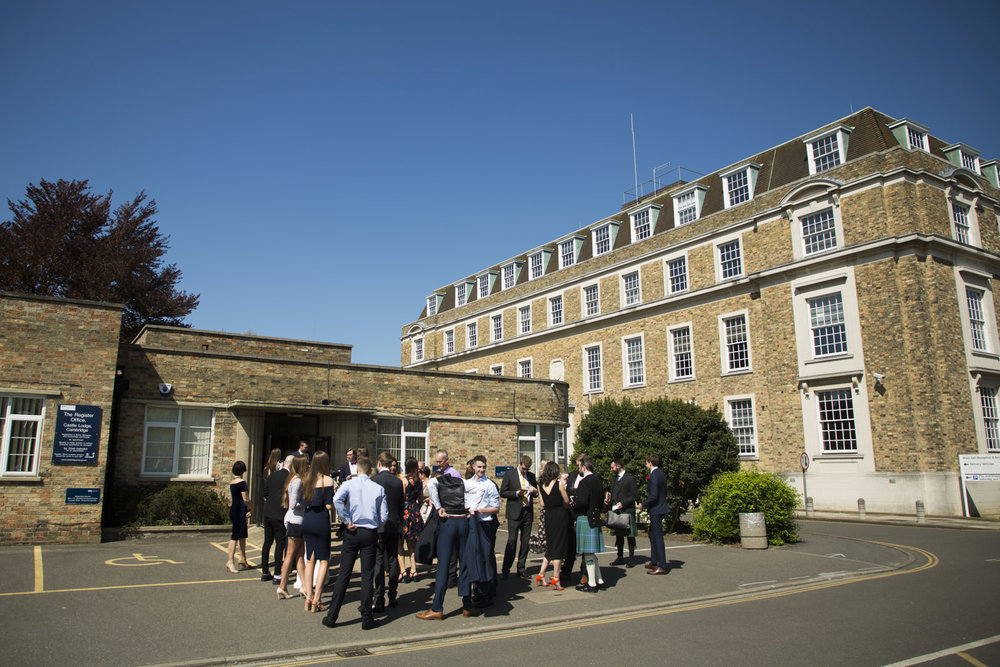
x=362, y=507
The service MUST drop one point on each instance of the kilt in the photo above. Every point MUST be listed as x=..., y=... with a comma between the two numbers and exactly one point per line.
x=588, y=540
x=633, y=528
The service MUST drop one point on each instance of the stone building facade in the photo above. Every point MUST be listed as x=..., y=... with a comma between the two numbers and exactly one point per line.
x=832, y=295
x=57, y=361
x=181, y=406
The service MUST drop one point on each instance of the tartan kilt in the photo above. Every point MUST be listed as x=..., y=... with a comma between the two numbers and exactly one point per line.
x=588, y=540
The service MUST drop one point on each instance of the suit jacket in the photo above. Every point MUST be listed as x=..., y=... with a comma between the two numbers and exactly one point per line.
x=589, y=497
x=571, y=484
x=509, y=487
x=656, y=493
x=274, y=489
x=624, y=490
x=393, y=500
x=345, y=472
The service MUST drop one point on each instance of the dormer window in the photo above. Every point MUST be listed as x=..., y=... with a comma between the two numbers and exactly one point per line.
x=687, y=205
x=462, y=291
x=433, y=303
x=910, y=135
x=569, y=250
x=537, y=263
x=991, y=172
x=962, y=155
x=827, y=149
x=511, y=271
x=643, y=221
x=604, y=237
x=738, y=184
x=484, y=283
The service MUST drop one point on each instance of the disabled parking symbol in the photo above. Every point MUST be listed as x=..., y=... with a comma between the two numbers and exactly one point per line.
x=139, y=560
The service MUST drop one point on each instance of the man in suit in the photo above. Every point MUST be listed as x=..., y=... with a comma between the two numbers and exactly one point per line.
x=274, y=521
x=519, y=490
x=386, y=555
x=656, y=505
x=624, y=492
x=349, y=469
x=303, y=450
x=361, y=504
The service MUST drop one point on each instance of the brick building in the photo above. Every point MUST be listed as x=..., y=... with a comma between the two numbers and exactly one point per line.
x=189, y=403
x=832, y=295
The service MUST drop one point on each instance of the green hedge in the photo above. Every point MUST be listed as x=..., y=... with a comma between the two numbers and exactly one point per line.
x=183, y=505
x=731, y=493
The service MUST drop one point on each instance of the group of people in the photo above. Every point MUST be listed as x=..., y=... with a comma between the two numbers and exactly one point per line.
x=386, y=516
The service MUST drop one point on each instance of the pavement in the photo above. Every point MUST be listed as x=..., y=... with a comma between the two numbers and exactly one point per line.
x=168, y=600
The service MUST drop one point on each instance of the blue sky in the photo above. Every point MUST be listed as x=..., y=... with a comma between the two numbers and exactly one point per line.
x=320, y=167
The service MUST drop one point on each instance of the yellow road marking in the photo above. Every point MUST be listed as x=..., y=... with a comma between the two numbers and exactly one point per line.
x=932, y=561
x=968, y=658
x=39, y=572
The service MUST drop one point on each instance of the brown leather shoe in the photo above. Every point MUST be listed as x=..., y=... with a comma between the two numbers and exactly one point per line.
x=431, y=615
x=657, y=570
x=469, y=613
x=583, y=580
x=650, y=566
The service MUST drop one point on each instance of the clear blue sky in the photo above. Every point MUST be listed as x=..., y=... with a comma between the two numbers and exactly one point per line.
x=320, y=167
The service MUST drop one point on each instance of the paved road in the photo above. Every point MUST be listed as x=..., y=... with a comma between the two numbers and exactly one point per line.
x=838, y=597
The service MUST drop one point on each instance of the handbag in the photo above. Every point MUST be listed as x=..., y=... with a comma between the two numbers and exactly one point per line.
x=618, y=520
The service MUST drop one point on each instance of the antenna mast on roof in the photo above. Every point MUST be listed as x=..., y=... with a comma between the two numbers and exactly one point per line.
x=635, y=169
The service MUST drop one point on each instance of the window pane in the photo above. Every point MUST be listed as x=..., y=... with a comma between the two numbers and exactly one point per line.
x=730, y=260
x=827, y=322
x=158, y=414
x=683, y=363
x=739, y=188
x=22, y=445
x=737, y=346
x=826, y=154
x=836, y=418
x=991, y=418
x=742, y=425
x=819, y=232
x=678, y=275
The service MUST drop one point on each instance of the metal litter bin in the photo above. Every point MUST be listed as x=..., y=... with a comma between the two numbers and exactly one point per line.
x=753, y=530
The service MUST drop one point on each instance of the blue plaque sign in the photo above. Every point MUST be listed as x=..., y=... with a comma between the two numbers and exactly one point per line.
x=78, y=430
x=502, y=470
x=83, y=496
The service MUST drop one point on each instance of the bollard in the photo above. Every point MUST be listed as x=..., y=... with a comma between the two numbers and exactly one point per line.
x=861, y=508
x=809, y=507
x=921, y=515
x=753, y=530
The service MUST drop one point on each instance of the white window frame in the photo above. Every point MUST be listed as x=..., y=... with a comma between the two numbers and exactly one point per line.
x=750, y=169
x=433, y=303
x=820, y=333
x=720, y=263
x=509, y=273
x=524, y=365
x=604, y=233
x=394, y=440
x=461, y=294
x=585, y=303
x=532, y=444
x=538, y=260
x=740, y=429
x=697, y=193
x=963, y=155
x=724, y=346
x=590, y=387
x=988, y=413
x=673, y=353
x=484, y=284
x=471, y=335
x=625, y=302
x=818, y=163
x=847, y=391
x=968, y=203
x=417, y=350
x=569, y=251
x=668, y=275
x=650, y=213
x=798, y=213
x=496, y=369
x=496, y=333
x=552, y=300
x=910, y=135
x=449, y=341
x=176, y=425
x=7, y=420
x=628, y=364
x=524, y=320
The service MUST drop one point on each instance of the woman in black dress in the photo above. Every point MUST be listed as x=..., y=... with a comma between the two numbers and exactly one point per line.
x=239, y=514
x=317, y=497
x=556, y=503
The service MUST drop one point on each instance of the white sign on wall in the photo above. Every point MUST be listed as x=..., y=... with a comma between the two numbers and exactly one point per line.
x=980, y=475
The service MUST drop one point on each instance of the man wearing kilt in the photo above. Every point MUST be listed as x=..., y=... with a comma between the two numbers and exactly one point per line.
x=587, y=505
x=624, y=492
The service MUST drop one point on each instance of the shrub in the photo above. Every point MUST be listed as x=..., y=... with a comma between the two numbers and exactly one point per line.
x=183, y=505
x=731, y=493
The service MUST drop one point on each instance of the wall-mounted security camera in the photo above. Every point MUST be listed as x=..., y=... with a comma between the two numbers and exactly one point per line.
x=878, y=377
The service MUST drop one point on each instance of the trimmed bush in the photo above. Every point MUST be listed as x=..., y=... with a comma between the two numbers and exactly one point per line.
x=730, y=493
x=183, y=505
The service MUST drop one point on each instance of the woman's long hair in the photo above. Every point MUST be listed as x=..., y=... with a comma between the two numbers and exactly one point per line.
x=272, y=462
x=299, y=466
x=320, y=467
x=550, y=471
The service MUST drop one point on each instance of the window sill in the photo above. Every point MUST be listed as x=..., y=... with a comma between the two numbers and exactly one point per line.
x=982, y=354
x=748, y=457
x=832, y=357
x=634, y=386
x=846, y=456
x=681, y=380
x=22, y=479
x=176, y=478
x=742, y=371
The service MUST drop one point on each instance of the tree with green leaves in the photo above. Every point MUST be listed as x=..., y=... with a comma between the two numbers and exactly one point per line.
x=66, y=241
x=694, y=444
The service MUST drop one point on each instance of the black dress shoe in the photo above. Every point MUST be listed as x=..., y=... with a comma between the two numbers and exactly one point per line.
x=522, y=574
x=267, y=576
x=369, y=623
x=587, y=589
x=392, y=602
x=378, y=608
x=617, y=561
x=629, y=563
x=504, y=575
x=328, y=623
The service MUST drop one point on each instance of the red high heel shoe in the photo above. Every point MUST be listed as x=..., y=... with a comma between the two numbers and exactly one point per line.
x=540, y=581
x=556, y=586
